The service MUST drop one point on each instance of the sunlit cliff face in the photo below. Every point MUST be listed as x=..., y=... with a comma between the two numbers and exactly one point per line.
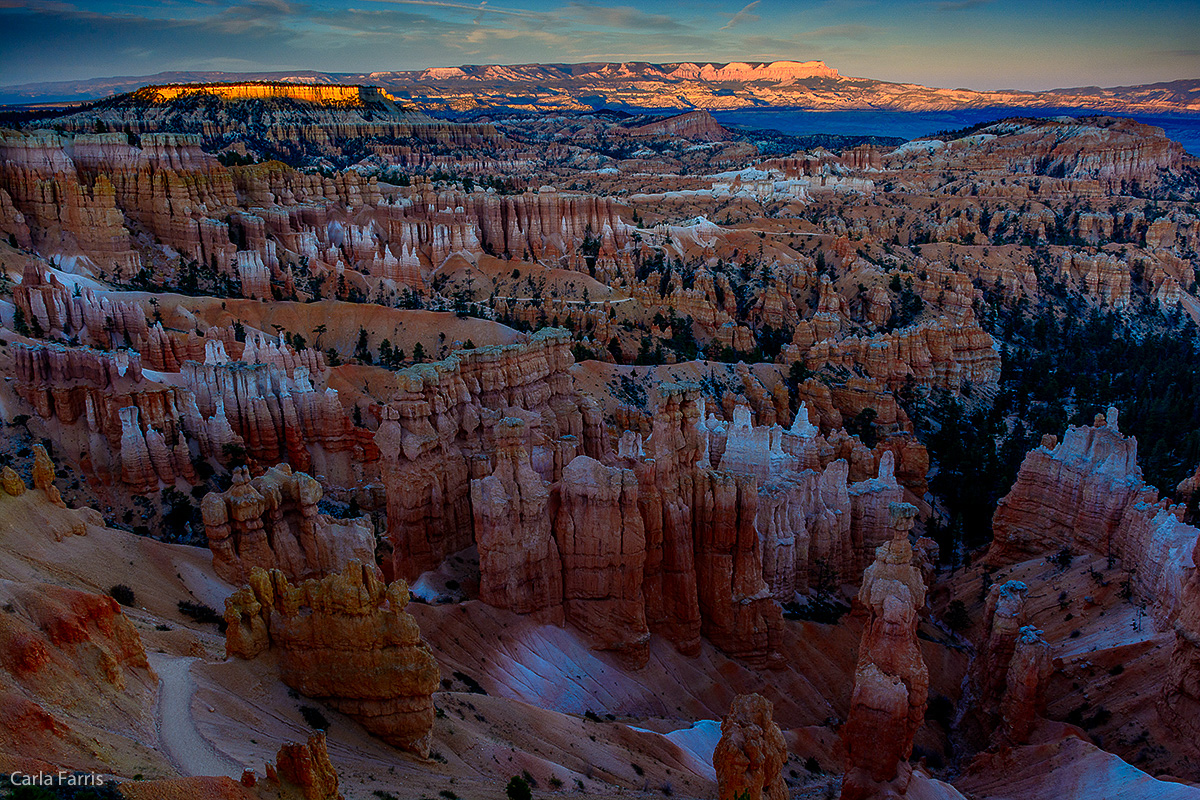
x=325, y=95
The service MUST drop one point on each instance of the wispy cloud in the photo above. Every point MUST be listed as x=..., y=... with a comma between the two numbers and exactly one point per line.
x=851, y=31
x=623, y=17
x=961, y=5
x=743, y=16
x=480, y=9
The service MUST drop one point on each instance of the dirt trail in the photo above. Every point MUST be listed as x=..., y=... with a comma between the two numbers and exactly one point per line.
x=178, y=737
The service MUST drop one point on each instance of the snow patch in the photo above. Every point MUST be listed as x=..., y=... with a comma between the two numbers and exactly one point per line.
x=698, y=742
x=924, y=146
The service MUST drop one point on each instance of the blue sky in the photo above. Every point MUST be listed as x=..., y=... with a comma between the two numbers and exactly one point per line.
x=979, y=44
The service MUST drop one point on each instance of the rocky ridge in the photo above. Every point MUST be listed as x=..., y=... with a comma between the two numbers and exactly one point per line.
x=1087, y=494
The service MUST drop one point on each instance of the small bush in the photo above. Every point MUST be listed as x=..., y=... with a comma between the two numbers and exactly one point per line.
x=957, y=618
x=1062, y=559
x=315, y=719
x=518, y=789
x=123, y=594
x=204, y=614
x=1101, y=716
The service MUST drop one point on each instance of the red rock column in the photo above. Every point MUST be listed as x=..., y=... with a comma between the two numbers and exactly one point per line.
x=519, y=564
x=603, y=544
x=750, y=755
x=891, y=684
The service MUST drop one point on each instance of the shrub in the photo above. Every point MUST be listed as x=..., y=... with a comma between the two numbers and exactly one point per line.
x=204, y=614
x=1062, y=559
x=518, y=789
x=957, y=618
x=123, y=594
x=315, y=719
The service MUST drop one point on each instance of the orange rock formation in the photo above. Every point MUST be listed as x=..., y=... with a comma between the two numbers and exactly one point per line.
x=346, y=640
x=891, y=684
x=1087, y=493
x=750, y=755
x=271, y=522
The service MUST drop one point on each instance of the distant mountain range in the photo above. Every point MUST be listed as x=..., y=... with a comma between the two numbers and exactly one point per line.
x=737, y=85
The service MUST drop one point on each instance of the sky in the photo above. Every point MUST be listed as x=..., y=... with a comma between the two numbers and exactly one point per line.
x=976, y=44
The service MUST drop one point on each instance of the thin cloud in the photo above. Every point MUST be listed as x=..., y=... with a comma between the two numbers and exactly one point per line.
x=481, y=9
x=624, y=17
x=851, y=31
x=962, y=5
x=742, y=16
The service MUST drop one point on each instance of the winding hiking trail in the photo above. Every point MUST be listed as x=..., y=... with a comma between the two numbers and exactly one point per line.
x=178, y=737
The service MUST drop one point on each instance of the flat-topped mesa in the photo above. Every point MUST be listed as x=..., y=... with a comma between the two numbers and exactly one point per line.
x=695, y=125
x=271, y=522
x=775, y=71
x=310, y=93
x=346, y=640
x=445, y=413
x=1109, y=150
x=1006, y=689
x=751, y=752
x=1087, y=493
x=891, y=683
